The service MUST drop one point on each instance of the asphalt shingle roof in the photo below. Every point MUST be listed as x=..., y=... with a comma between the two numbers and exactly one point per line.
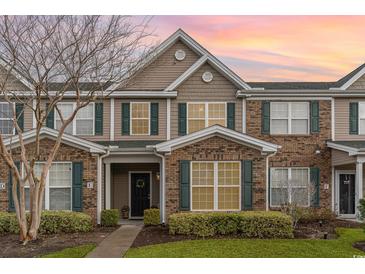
x=128, y=144
x=352, y=144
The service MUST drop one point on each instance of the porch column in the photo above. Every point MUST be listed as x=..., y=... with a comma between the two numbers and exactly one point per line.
x=107, y=186
x=359, y=182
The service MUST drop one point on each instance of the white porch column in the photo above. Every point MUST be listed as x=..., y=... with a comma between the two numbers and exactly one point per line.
x=359, y=182
x=107, y=186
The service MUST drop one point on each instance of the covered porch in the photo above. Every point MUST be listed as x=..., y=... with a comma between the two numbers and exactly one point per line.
x=348, y=171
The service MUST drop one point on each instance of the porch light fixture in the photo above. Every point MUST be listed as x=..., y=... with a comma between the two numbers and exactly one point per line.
x=158, y=176
x=318, y=150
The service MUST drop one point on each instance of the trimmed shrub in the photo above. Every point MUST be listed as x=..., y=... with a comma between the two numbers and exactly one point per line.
x=311, y=215
x=247, y=224
x=151, y=216
x=51, y=222
x=110, y=217
x=362, y=208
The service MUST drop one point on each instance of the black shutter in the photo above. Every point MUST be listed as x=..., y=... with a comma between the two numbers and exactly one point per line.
x=125, y=119
x=19, y=112
x=50, y=117
x=77, y=175
x=185, y=185
x=265, y=117
x=231, y=115
x=182, y=119
x=246, y=185
x=154, y=119
x=99, y=118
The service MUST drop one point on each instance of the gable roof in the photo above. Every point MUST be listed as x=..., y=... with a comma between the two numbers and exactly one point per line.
x=196, y=47
x=215, y=130
x=16, y=74
x=29, y=137
x=350, y=78
x=352, y=147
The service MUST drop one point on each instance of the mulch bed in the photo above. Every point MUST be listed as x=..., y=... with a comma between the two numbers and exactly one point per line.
x=11, y=247
x=151, y=235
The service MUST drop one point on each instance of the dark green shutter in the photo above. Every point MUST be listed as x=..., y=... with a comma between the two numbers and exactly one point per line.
x=231, y=115
x=354, y=118
x=182, y=119
x=50, y=117
x=77, y=175
x=314, y=116
x=19, y=112
x=246, y=185
x=10, y=186
x=99, y=118
x=184, y=185
x=125, y=118
x=265, y=117
x=315, y=183
x=154, y=118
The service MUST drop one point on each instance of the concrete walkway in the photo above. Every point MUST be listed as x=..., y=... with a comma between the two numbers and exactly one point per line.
x=117, y=243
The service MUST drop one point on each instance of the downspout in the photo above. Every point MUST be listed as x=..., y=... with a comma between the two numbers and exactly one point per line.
x=267, y=180
x=162, y=187
x=100, y=178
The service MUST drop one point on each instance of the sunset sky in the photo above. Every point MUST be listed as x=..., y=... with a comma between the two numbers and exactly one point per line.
x=276, y=48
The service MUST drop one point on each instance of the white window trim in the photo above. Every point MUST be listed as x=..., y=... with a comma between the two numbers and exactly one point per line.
x=46, y=187
x=73, y=123
x=361, y=130
x=131, y=119
x=289, y=178
x=9, y=119
x=206, y=110
x=215, y=187
x=289, y=119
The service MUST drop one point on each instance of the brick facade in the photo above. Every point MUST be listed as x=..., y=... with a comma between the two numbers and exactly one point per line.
x=299, y=151
x=214, y=149
x=66, y=153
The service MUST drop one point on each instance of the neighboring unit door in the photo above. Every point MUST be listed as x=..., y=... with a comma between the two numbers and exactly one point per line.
x=140, y=193
x=347, y=194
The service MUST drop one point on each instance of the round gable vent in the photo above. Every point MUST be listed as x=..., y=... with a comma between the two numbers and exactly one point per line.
x=207, y=77
x=180, y=55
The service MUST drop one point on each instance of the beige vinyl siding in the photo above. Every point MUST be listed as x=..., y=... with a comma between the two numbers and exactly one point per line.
x=342, y=120
x=162, y=71
x=358, y=85
x=161, y=120
x=195, y=90
x=12, y=83
x=341, y=158
x=28, y=118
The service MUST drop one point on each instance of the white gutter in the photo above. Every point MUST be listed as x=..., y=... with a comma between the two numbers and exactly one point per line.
x=100, y=179
x=162, y=188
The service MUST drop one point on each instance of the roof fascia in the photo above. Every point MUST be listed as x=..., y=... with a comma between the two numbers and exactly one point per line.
x=16, y=74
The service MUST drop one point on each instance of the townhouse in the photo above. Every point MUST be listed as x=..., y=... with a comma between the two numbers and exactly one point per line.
x=186, y=133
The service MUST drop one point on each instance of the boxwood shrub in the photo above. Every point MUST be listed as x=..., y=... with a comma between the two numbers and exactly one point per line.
x=151, y=216
x=311, y=215
x=110, y=217
x=51, y=222
x=247, y=224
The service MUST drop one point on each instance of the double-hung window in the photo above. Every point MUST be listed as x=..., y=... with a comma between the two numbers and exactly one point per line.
x=58, y=188
x=202, y=115
x=83, y=124
x=289, y=117
x=6, y=118
x=362, y=118
x=140, y=118
x=215, y=186
x=290, y=185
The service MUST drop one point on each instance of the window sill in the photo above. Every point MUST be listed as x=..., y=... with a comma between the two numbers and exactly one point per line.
x=292, y=135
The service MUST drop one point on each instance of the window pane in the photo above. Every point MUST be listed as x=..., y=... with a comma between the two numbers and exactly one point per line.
x=228, y=173
x=202, y=174
x=84, y=127
x=279, y=110
x=202, y=198
x=60, y=174
x=140, y=126
x=228, y=198
x=212, y=122
x=195, y=125
x=6, y=111
x=140, y=110
x=60, y=198
x=279, y=177
x=299, y=177
x=86, y=112
x=27, y=199
x=279, y=126
x=6, y=127
x=362, y=110
x=362, y=126
x=299, y=110
x=65, y=109
x=300, y=196
x=196, y=111
x=278, y=196
x=299, y=126
x=216, y=111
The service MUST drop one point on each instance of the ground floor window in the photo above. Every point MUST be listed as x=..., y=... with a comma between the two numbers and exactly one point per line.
x=215, y=186
x=58, y=190
x=290, y=185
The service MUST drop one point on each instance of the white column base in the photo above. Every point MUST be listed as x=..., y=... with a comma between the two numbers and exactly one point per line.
x=359, y=185
x=107, y=186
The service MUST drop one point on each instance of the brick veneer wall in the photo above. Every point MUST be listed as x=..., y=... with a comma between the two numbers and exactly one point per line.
x=299, y=151
x=214, y=149
x=66, y=153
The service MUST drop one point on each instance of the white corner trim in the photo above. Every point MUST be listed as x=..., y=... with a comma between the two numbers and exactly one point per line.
x=350, y=150
x=353, y=79
x=333, y=119
x=34, y=121
x=168, y=119
x=244, y=115
x=112, y=119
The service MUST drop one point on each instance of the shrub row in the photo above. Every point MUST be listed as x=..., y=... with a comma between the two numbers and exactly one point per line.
x=110, y=217
x=249, y=224
x=362, y=208
x=151, y=216
x=51, y=222
x=310, y=215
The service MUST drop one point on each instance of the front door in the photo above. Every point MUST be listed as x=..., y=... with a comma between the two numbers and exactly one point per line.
x=347, y=194
x=140, y=193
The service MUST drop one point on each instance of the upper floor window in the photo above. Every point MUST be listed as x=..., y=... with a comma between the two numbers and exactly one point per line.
x=140, y=118
x=83, y=124
x=6, y=118
x=362, y=117
x=202, y=115
x=289, y=117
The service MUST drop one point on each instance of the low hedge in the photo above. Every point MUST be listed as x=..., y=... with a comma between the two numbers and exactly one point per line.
x=151, y=216
x=362, y=209
x=110, y=217
x=311, y=215
x=51, y=222
x=248, y=224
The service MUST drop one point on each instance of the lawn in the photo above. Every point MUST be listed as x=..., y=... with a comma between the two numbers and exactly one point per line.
x=256, y=248
x=72, y=252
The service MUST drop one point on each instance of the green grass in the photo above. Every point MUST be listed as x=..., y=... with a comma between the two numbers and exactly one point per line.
x=256, y=248
x=72, y=252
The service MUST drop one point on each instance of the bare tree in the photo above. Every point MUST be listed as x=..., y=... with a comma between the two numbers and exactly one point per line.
x=58, y=57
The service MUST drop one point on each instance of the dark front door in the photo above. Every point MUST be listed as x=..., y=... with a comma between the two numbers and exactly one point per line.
x=140, y=193
x=347, y=193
